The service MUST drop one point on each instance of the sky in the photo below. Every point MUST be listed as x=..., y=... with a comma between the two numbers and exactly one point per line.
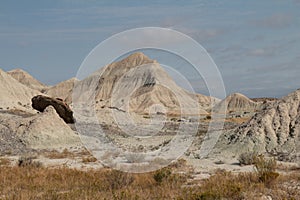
x=255, y=44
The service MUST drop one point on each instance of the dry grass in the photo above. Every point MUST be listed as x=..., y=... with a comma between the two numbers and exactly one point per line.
x=238, y=120
x=226, y=185
x=28, y=161
x=266, y=169
x=54, y=154
x=63, y=183
x=248, y=158
x=84, y=154
x=4, y=161
x=89, y=159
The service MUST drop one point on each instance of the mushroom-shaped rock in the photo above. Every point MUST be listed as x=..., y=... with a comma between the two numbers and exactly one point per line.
x=41, y=102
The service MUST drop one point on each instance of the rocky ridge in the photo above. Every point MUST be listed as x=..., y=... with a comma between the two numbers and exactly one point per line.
x=275, y=130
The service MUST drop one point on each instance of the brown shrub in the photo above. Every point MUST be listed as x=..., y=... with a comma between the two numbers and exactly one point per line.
x=118, y=179
x=28, y=161
x=248, y=158
x=54, y=154
x=266, y=169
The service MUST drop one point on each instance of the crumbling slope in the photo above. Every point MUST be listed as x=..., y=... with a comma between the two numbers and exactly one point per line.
x=274, y=130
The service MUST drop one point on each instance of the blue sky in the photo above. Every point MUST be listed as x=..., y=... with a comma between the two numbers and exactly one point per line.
x=255, y=44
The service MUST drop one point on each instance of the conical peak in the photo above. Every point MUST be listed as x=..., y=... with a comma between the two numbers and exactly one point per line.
x=18, y=70
x=133, y=60
x=19, y=73
x=238, y=95
x=138, y=57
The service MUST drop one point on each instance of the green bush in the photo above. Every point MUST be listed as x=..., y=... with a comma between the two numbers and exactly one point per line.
x=162, y=174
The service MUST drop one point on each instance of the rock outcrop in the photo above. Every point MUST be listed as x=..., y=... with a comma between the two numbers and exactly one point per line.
x=13, y=94
x=41, y=102
x=275, y=130
x=264, y=99
x=44, y=130
x=48, y=131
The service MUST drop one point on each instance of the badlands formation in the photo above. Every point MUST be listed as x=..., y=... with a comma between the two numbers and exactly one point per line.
x=275, y=130
x=62, y=90
x=140, y=87
x=26, y=79
x=14, y=94
x=237, y=102
x=135, y=84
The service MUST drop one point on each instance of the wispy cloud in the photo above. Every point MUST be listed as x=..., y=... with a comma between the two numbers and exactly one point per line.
x=204, y=33
x=261, y=52
x=243, y=37
x=274, y=21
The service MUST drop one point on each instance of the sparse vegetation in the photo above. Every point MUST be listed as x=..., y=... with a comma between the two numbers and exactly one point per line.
x=266, y=169
x=28, y=161
x=117, y=179
x=224, y=185
x=161, y=175
x=4, y=161
x=54, y=154
x=64, y=183
x=89, y=159
x=84, y=152
x=248, y=158
x=238, y=120
x=179, y=163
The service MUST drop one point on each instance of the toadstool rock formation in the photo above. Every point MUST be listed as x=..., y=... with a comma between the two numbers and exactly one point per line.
x=41, y=102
